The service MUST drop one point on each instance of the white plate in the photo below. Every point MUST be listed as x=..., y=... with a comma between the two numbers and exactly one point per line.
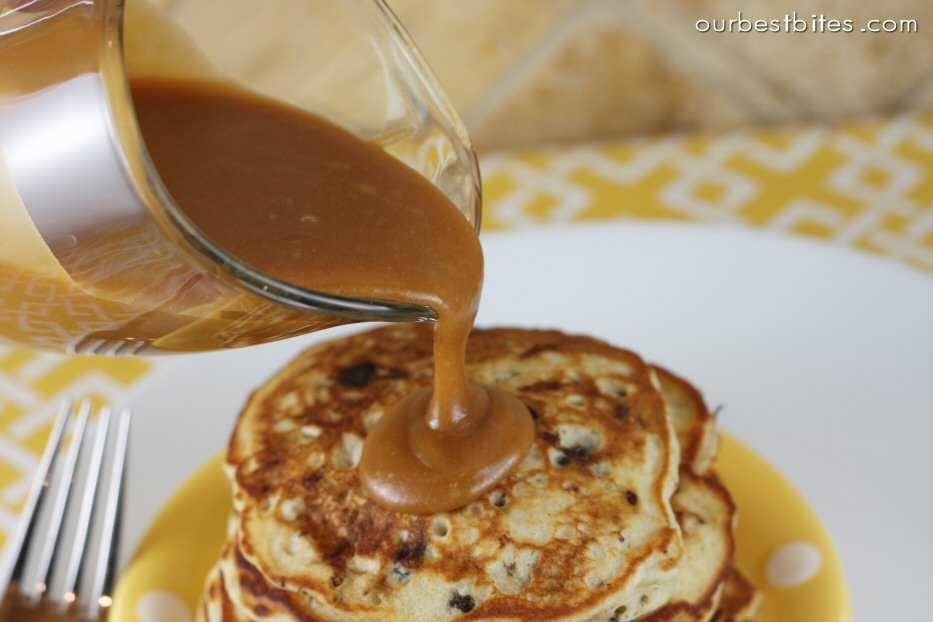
x=822, y=358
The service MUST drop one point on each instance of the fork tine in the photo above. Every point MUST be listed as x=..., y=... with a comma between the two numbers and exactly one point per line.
x=64, y=575
x=51, y=511
x=97, y=573
x=12, y=558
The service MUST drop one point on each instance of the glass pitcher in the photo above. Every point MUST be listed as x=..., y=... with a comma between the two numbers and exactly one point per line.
x=95, y=257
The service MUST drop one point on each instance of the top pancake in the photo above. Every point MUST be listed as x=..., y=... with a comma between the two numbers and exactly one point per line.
x=584, y=528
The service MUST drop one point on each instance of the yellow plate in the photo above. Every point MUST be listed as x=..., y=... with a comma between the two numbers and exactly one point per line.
x=777, y=531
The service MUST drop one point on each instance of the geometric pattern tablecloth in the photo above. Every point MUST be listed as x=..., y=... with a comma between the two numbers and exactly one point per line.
x=868, y=185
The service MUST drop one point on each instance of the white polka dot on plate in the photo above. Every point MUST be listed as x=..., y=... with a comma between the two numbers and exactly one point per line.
x=162, y=607
x=794, y=564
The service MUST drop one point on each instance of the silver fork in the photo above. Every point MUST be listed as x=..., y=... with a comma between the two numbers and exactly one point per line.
x=62, y=557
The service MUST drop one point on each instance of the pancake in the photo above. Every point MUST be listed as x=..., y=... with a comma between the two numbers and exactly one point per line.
x=707, y=516
x=591, y=501
x=738, y=599
x=741, y=600
x=703, y=507
x=216, y=605
x=693, y=423
x=561, y=539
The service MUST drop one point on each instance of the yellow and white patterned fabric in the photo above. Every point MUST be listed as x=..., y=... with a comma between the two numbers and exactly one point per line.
x=867, y=185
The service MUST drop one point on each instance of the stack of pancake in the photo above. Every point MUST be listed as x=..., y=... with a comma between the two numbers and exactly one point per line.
x=614, y=515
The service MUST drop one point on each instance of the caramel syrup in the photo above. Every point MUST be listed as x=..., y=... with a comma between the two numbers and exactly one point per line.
x=306, y=201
